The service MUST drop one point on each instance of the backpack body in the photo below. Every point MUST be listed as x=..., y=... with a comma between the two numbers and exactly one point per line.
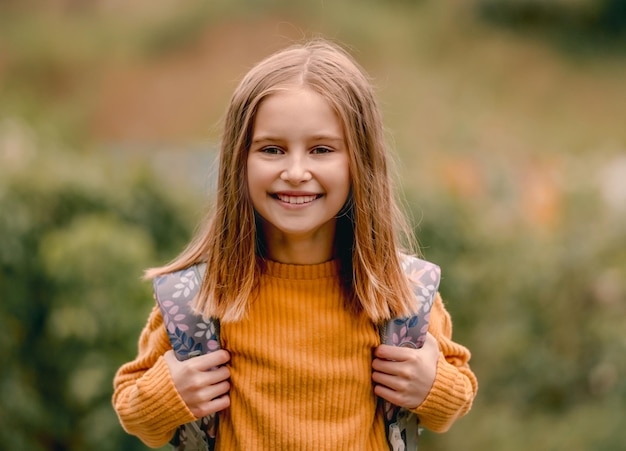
x=192, y=335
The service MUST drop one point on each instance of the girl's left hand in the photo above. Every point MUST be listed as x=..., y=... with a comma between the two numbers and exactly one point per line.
x=404, y=376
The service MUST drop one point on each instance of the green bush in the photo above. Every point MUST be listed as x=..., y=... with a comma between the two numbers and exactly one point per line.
x=542, y=312
x=75, y=236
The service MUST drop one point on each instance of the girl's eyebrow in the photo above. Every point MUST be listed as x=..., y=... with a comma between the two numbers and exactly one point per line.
x=262, y=138
x=327, y=138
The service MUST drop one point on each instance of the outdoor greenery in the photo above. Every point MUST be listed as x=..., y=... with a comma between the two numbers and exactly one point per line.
x=511, y=158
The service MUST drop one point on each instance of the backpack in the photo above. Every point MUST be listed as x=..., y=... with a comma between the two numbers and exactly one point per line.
x=191, y=335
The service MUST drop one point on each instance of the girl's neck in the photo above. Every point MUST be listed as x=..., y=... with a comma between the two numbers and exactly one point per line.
x=305, y=249
x=296, y=252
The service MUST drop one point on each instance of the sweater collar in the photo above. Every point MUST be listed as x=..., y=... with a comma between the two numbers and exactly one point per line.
x=302, y=272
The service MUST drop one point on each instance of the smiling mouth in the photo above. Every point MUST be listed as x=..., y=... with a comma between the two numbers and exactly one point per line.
x=296, y=200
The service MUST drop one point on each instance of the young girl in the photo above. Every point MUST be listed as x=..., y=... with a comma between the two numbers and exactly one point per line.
x=303, y=263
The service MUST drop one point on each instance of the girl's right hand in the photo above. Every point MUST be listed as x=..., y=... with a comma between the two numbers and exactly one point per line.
x=202, y=382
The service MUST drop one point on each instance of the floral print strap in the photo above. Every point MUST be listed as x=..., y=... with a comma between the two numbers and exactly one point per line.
x=402, y=425
x=190, y=335
x=411, y=331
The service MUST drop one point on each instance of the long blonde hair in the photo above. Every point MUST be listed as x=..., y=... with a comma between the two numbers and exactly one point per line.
x=369, y=228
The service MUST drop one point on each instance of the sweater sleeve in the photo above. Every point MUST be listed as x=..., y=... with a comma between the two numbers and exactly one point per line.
x=144, y=396
x=455, y=384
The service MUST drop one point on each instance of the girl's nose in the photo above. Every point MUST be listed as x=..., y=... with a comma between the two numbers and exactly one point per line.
x=296, y=171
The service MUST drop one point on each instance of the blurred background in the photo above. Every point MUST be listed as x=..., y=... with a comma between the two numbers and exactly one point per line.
x=508, y=121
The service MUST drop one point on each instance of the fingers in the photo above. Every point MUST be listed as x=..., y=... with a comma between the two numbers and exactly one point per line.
x=397, y=368
x=393, y=396
x=393, y=381
x=404, y=376
x=209, y=399
x=202, y=382
x=403, y=387
x=395, y=361
x=192, y=375
x=211, y=407
x=399, y=353
x=209, y=361
x=389, y=352
x=204, y=361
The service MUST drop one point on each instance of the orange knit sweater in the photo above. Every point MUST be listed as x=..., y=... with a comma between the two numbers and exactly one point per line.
x=300, y=373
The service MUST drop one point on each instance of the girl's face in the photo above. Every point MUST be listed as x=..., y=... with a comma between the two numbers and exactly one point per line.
x=298, y=170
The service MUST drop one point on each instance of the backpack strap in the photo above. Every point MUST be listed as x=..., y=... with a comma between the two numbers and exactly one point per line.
x=401, y=424
x=190, y=335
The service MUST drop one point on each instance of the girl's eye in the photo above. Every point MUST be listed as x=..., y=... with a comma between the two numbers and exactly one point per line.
x=321, y=149
x=272, y=150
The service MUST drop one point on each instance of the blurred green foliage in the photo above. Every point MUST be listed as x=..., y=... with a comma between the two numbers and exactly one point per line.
x=544, y=318
x=77, y=233
x=581, y=26
x=519, y=195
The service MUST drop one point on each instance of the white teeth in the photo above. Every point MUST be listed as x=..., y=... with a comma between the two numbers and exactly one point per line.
x=296, y=199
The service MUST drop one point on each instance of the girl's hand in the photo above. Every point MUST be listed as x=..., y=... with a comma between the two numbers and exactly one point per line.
x=404, y=376
x=202, y=382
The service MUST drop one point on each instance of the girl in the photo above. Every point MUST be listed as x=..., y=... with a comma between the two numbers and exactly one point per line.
x=303, y=262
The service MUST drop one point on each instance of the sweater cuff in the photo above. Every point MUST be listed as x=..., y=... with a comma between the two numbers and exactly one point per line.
x=446, y=400
x=159, y=408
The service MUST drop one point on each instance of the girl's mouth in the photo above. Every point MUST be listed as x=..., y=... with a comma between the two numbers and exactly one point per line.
x=296, y=200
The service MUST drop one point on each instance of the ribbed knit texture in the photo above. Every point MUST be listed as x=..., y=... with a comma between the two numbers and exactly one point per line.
x=301, y=368
x=301, y=373
x=144, y=397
